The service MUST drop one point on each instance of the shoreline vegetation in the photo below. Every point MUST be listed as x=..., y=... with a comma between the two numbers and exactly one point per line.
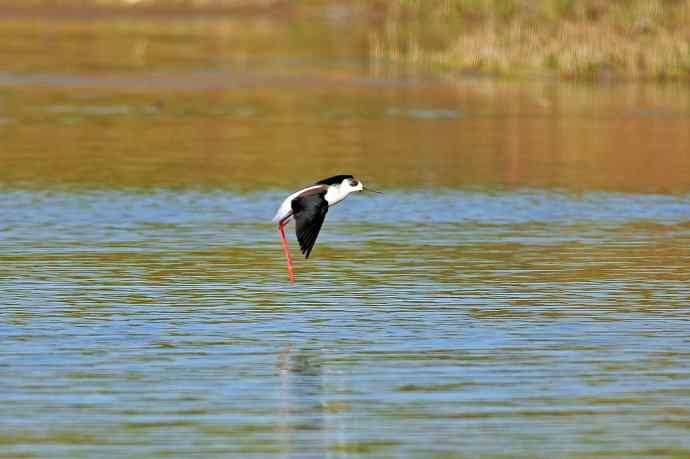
x=641, y=40
x=569, y=39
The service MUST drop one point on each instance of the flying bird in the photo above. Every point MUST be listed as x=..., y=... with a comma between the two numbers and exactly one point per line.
x=308, y=208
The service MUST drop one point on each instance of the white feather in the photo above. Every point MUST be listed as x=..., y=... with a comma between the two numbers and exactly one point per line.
x=285, y=209
x=337, y=193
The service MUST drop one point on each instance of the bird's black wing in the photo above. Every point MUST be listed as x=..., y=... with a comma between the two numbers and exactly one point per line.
x=309, y=212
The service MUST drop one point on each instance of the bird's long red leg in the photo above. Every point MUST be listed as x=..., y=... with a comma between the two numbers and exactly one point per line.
x=281, y=230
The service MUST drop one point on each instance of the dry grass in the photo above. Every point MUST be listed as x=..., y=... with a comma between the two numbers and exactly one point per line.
x=593, y=39
x=629, y=39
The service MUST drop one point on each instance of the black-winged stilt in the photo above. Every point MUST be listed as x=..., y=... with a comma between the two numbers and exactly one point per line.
x=308, y=208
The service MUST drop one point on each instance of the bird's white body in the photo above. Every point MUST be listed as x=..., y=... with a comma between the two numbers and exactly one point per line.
x=337, y=193
x=334, y=194
x=285, y=209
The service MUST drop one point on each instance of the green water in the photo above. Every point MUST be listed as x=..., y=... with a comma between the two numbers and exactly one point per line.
x=520, y=290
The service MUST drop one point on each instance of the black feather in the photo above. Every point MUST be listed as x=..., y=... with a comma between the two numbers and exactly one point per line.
x=335, y=180
x=309, y=212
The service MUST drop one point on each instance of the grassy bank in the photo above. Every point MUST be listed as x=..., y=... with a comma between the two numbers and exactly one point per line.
x=592, y=39
x=574, y=39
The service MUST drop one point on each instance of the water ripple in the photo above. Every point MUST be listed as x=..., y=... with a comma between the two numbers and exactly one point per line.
x=165, y=318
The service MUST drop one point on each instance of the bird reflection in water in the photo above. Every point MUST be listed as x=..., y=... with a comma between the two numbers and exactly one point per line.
x=305, y=422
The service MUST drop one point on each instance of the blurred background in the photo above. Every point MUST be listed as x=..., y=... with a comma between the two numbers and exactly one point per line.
x=520, y=290
x=241, y=94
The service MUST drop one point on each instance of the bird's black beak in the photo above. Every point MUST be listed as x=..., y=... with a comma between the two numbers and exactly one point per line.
x=371, y=191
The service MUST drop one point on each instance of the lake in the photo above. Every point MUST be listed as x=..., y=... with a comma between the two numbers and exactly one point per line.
x=521, y=288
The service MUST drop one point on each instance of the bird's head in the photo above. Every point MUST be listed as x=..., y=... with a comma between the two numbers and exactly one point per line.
x=343, y=185
x=351, y=185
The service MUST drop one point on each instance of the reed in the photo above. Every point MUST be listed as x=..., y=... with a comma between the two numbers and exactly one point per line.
x=592, y=39
x=577, y=39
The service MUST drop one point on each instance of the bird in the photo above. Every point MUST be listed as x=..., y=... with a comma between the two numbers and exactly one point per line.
x=308, y=208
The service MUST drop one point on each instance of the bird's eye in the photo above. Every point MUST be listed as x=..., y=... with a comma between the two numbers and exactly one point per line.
x=354, y=182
